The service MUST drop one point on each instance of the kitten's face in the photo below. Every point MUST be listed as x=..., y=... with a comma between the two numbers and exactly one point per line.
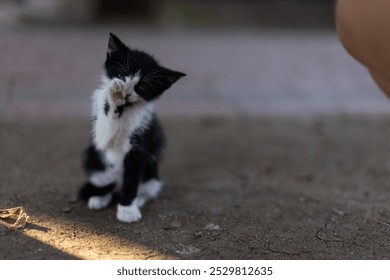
x=138, y=69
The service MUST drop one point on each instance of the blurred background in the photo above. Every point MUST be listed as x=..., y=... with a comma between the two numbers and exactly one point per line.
x=270, y=134
x=271, y=13
x=248, y=57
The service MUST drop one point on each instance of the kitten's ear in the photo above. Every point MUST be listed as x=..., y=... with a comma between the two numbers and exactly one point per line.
x=114, y=44
x=154, y=83
x=170, y=75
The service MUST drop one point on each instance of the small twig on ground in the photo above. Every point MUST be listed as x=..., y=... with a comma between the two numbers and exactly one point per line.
x=381, y=222
x=18, y=214
x=338, y=212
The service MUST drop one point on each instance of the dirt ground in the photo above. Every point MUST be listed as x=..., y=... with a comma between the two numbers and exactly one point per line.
x=273, y=188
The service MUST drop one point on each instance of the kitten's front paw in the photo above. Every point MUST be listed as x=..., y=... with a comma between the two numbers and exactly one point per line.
x=118, y=92
x=128, y=214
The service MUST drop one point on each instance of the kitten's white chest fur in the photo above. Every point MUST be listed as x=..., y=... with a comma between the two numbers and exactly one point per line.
x=111, y=133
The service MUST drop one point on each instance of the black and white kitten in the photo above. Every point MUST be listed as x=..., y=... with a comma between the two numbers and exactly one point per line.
x=127, y=139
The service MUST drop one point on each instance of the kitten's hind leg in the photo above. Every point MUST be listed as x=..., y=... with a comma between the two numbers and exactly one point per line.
x=148, y=190
x=150, y=186
x=97, y=197
x=97, y=192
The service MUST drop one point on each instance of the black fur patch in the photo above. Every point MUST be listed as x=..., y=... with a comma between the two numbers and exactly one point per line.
x=89, y=190
x=106, y=108
x=92, y=160
x=119, y=110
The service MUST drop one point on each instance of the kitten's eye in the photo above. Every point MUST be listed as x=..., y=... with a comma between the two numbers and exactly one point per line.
x=121, y=77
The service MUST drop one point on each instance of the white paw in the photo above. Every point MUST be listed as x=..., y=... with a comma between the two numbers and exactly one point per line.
x=150, y=189
x=118, y=92
x=128, y=214
x=99, y=202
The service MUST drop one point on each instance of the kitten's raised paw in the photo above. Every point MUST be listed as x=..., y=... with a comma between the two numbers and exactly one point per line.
x=118, y=92
x=99, y=202
x=128, y=214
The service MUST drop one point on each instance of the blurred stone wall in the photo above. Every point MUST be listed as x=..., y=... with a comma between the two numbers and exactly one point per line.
x=17, y=11
x=259, y=13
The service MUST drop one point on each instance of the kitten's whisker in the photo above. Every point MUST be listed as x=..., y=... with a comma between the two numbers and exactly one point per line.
x=129, y=62
x=117, y=63
x=153, y=73
x=147, y=75
x=117, y=68
x=120, y=65
x=155, y=81
x=157, y=76
x=151, y=81
x=123, y=60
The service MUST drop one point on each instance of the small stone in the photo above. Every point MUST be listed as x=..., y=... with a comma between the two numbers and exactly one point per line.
x=212, y=227
x=198, y=234
x=188, y=250
x=304, y=178
x=338, y=212
x=267, y=169
x=67, y=209
x=173, y=225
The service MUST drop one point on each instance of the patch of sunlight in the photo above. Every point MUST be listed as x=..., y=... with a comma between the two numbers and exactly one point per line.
x=87, y=243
